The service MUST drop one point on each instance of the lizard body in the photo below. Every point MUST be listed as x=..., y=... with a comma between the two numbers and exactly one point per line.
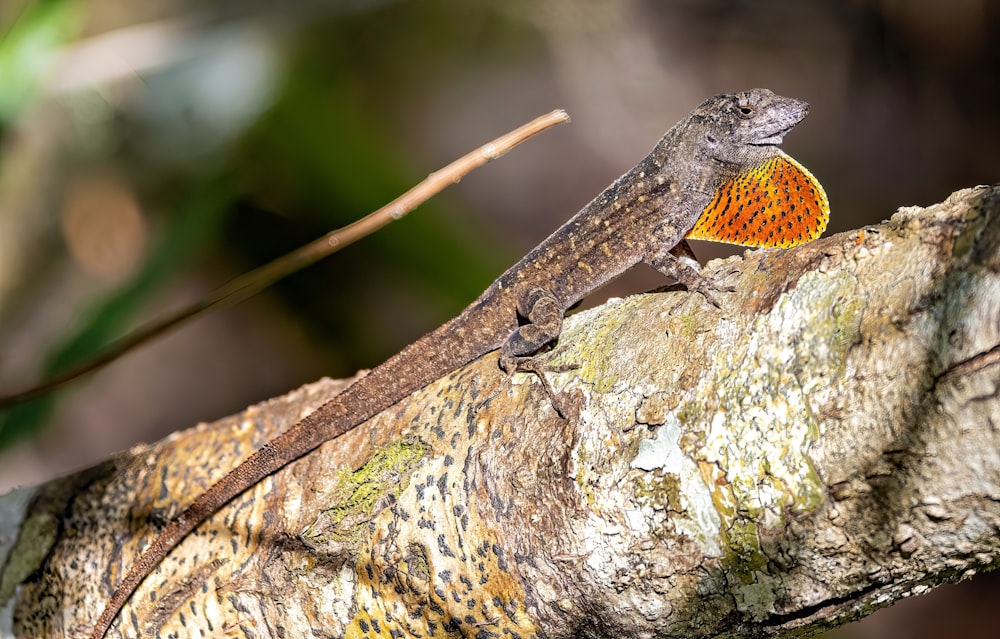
x=718, y=171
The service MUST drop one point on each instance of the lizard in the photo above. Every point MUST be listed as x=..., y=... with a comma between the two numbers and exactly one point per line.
x=718, y=174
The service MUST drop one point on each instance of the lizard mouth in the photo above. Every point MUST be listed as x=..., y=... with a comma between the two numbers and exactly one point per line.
x=773, y=139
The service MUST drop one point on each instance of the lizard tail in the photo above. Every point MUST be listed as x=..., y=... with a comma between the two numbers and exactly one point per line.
x=455, y=343
x=260, y=464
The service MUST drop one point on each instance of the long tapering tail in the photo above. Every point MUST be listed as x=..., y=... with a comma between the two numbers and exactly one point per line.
x=302, y=438
x=439, y=352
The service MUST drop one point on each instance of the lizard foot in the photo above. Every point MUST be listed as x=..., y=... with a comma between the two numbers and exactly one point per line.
x=678, y=269
x=706, y=288
x=678, y=264
x=512, y=365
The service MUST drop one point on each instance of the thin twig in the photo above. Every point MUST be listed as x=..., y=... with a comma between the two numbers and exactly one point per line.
x=260, y=278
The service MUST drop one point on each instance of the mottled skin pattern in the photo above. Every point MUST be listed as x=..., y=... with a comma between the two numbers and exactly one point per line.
x=641, y=217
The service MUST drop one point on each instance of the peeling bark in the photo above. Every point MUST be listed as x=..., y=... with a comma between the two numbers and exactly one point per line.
x=822, y=446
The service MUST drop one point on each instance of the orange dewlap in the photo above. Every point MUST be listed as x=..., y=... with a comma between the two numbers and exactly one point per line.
x=776, y=204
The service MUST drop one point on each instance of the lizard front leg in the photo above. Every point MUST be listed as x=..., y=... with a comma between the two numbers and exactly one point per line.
x=676, y=263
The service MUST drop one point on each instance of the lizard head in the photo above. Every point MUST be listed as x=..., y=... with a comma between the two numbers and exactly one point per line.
x=759, y=196
x=747, y=126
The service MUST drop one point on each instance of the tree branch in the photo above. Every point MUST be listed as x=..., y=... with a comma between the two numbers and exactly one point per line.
x=823, y=445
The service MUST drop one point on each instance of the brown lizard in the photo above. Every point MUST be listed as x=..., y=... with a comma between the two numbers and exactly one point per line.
x=717, y=174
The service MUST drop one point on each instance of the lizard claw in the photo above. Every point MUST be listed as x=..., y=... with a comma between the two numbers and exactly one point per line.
x=678, y=268
x=512, y=365
x=706, y=288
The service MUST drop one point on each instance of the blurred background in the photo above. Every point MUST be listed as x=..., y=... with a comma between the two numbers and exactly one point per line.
x=151, y=151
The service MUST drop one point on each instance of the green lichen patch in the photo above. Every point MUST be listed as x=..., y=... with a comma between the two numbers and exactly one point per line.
x=743, y=556
x=359, y=493
x=589, y=337
x=659, y=489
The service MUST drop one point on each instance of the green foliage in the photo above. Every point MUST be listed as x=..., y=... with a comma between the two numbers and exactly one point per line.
x=28, y=48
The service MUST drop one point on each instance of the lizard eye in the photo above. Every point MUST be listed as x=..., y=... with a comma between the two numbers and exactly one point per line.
x=746, y=110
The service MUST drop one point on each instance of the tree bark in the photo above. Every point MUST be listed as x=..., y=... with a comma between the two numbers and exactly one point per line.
x=823, y=445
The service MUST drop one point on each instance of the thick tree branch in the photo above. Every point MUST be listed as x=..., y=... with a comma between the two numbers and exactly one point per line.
x=823, y=445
